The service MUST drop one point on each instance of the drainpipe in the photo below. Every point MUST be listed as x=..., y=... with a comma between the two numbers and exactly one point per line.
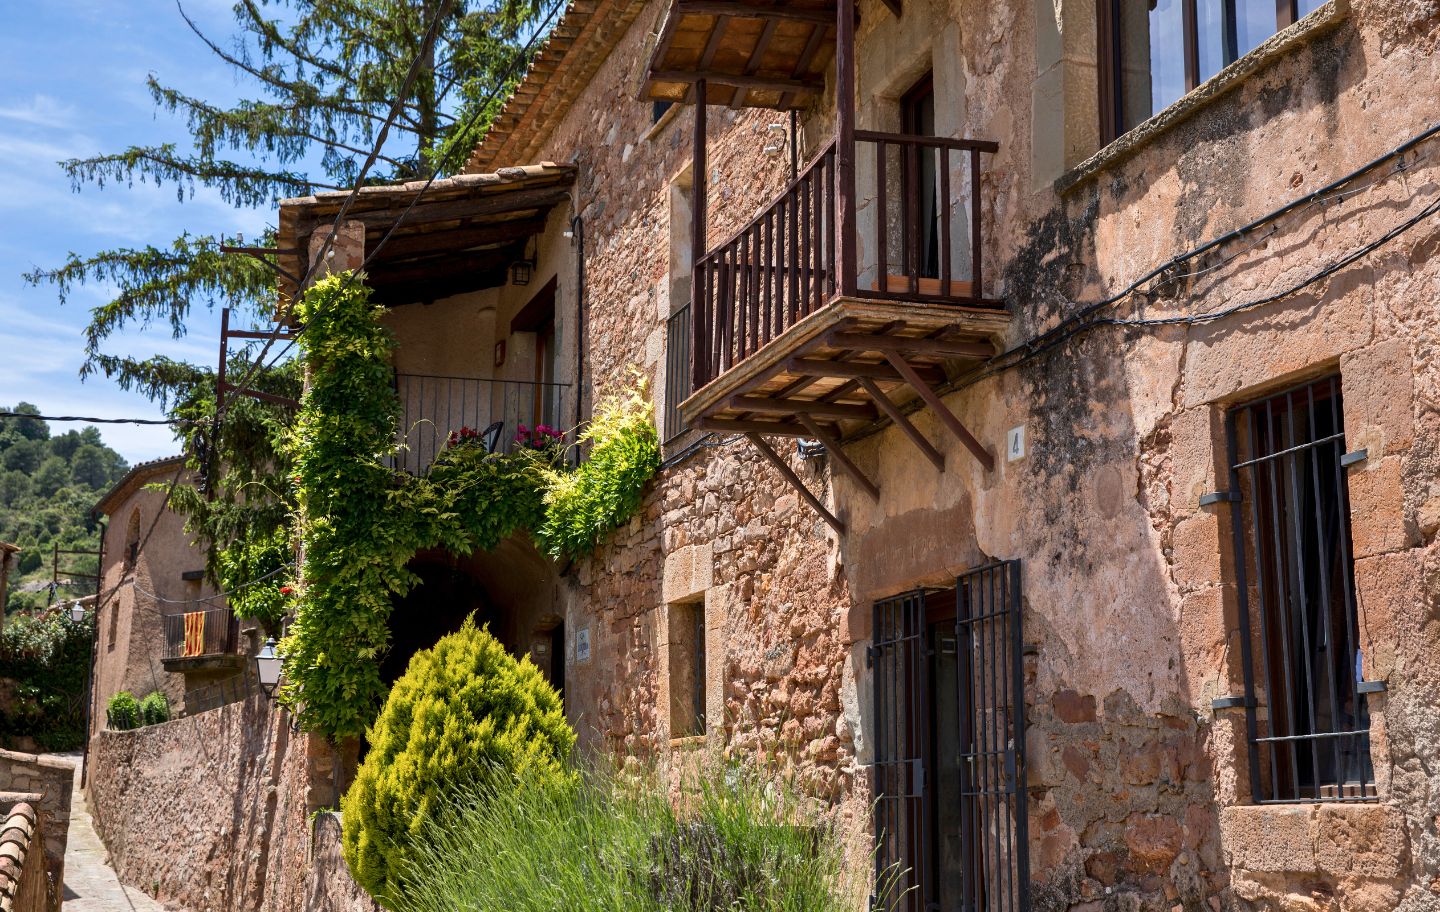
x=577, y=229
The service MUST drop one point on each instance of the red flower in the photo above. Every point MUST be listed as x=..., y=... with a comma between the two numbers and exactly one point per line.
x=286, y=590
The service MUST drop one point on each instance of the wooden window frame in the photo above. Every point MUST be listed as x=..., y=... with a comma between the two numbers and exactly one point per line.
x=1108, y=53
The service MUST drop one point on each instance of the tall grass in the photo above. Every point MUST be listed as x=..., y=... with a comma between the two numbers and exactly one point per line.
x=733, y=840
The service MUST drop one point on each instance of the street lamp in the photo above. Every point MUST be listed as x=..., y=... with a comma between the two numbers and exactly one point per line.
x=267, y=667
x=77, y=612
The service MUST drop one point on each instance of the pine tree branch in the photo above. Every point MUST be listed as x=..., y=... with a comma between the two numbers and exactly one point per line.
x=160, y=284
x=281, y=130
x=238, y=185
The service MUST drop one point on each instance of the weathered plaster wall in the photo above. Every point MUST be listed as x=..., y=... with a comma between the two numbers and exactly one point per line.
x=212, y=812
x=131, y=637
x=47, y=783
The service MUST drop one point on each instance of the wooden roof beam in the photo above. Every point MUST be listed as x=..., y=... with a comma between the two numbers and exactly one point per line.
x=795, y=406
x=925, y=346
x=763, y=83
x=500, y=203
x=459, y=239
x=743, y=426
x=818, y=367
x=752, y=10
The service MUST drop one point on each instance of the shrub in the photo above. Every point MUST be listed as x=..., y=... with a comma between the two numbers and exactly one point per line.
x=155, y=708
x=123, y=711
x=47, y=656
x=744, y=842
x=465, y=713
x=584, y=506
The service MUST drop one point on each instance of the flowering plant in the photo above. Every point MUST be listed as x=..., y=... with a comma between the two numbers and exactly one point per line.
x=540, y=437
x=466, y=434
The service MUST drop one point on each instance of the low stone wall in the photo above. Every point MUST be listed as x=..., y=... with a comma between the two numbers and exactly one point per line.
x=212, y=812
x=24, y=886
x=51, y=781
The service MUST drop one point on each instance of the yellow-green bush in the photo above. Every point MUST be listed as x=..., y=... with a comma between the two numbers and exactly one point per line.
x=464, y=714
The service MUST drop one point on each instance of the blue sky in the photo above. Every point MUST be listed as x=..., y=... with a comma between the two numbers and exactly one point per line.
x=72, y=84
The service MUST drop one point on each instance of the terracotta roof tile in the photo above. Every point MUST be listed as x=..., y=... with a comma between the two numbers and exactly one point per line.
x=562, y=68
x=16, y=831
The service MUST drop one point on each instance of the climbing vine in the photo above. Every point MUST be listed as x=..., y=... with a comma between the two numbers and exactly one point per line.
x=360, y=522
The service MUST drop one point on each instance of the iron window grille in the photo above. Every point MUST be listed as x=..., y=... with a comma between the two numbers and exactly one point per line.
x=949, y=768
x=1307, y=722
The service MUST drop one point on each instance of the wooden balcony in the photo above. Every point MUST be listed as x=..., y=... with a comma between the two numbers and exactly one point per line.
x=860, y=288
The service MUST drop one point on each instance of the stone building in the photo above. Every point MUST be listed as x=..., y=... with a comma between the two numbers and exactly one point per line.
x=1049, y=402
x=160, y=626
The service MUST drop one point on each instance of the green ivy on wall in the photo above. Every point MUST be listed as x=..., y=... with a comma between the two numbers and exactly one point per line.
x=361, y=522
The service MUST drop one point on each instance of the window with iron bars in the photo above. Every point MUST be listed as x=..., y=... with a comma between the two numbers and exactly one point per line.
x=947, y=681
x=1307, y=720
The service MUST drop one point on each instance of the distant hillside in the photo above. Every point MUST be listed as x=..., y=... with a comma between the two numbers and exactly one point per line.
x=47, y=486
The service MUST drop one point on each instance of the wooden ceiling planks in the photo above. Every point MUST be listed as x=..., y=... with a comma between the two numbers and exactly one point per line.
x=457, y=234
x=751, y=54
x=872, y=363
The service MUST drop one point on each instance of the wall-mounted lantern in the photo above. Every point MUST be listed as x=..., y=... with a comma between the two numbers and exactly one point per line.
x=77, y=612
x=267, y=667
x=523, y=269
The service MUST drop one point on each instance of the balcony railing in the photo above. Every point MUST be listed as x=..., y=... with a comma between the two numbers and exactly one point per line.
x=432, y=406
x=677, y=371
x=200, y=634
x=919, y=228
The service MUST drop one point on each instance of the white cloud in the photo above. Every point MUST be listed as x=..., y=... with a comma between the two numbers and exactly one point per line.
x=40, y=111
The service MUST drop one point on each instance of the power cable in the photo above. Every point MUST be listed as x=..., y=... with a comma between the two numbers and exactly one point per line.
x=476, y=114
x=179, y=421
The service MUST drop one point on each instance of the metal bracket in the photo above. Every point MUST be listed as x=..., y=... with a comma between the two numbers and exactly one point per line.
x=1370, y=687
x=1219, y=497
x=1230, y=702
x=1353, y=458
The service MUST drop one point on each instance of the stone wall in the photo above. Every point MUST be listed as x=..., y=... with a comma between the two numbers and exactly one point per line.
x=212, y=812
x=51, y=781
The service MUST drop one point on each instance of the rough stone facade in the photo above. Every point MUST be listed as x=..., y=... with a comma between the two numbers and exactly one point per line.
x=1139, y=792
x=1138, y=787
x=212, y=812
x=43, y=785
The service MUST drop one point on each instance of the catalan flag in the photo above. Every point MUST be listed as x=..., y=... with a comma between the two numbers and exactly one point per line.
x=195, y=633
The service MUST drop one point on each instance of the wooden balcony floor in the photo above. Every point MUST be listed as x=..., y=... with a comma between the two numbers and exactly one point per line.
x=845, y=366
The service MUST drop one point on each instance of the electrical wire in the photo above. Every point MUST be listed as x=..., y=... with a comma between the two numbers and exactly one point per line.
x=171, y=421
x=476, y=114
x=216, y=595
x=1083, y=320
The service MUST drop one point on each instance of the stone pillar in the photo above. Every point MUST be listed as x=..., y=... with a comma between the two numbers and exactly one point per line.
x=347, y=252
x=1064, y=98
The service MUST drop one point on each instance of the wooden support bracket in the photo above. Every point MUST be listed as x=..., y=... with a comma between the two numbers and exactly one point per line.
x=817, y=367
x=744, y=426
x=832, y=447
x=903, y=423
x=794, y=406
x=785, y=471
x=947, y=417
x=920, y=345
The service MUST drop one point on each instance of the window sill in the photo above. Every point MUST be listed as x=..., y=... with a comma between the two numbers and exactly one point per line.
x=688, y=743
x=665, y=120
x=1278, y=45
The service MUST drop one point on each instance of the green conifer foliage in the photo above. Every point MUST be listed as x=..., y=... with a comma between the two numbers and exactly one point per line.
x=464, y=714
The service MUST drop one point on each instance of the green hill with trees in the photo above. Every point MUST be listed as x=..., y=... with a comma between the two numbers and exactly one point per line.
x=48, y=483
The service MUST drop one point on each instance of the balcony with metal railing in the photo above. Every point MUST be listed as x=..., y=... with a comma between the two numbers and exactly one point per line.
x=494, y=412
x=203, y=640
